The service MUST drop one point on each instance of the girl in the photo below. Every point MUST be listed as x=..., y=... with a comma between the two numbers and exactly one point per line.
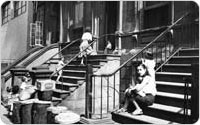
x=142, y=94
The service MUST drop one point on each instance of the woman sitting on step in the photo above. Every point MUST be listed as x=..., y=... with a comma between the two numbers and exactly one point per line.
x=142, y=94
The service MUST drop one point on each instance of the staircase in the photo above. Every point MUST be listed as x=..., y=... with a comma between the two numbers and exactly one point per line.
x=169, y=101
x=70, y=90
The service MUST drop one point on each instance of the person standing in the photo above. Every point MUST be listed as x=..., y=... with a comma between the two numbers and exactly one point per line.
x=86, y=39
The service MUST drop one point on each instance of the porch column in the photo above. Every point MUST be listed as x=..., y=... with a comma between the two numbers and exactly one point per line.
x=120, y=23
x=61, y=24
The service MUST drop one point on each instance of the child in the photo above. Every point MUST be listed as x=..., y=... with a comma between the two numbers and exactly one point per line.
x=108, y=47
x=86, y=38
x=27, y=90
x=142, y=94
x=12, y=97
x=59, y=66
x=26, y=81
x=149, y=63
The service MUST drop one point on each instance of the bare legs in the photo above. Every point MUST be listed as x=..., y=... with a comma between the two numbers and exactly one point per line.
x=138, y=110
x=59, y=75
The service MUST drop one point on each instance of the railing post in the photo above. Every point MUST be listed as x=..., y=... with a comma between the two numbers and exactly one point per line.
x=13, y=77
x=195, y=93
x=88, y=91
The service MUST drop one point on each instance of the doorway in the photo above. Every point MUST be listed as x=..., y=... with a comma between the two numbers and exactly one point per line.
x=111, y=21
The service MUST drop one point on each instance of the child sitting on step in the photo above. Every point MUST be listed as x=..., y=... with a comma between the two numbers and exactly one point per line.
x=142, y=94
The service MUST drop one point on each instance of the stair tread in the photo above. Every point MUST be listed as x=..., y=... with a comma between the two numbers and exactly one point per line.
x=105, y=55
x=77, y=71
x=40, y=71
x=187, y=49
x=61, y=91
x=67, y=84
x=185, y=57
x=168, y=108
x=56, y=99
x=170, y=83
x=93, y=60
x=146, y=118
x=95, y=66
x=171, y=95
x=74, y=77
x=177, y=65
x=174, y=73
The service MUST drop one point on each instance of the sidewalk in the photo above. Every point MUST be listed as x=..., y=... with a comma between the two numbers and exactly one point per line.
x=4, y=119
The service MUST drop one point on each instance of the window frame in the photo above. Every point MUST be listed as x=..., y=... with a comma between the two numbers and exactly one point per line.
x=78, y=14
x=6, y=12
x=20, y=9
x=154, y=7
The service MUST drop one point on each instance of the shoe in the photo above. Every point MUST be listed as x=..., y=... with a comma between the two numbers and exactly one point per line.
x=121, y=110
x=137, y=112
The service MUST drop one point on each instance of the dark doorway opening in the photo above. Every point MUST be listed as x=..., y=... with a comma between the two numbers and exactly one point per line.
x=111, y=21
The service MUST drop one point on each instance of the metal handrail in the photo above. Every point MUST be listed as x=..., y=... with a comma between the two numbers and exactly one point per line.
x=168, y=58
x=25, y=64
x=96, y=39
x=68, y=45
x=20, y=59
x=148, y=45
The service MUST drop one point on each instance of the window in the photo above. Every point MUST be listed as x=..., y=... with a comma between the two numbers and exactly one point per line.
x=19, y=8
x=36, y=33
x=5, y=12
x=79, y=14
x=156, y=14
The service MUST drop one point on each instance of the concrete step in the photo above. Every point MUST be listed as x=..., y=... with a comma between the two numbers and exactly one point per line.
x=170, y=113
x=172, y=76
x=172, y=87
x=52, y=62
x=66, y=86
x=70, y=79
x=59, y=93
x=92, y=61
x=54, y=99
x=127, y=118
x=184, y=60
x=171, y=99
x=74, y=73
x=189, y=52
x=40, y=68
x=183, y=68
x=41, y=74
x=79, y=67
x=104, y=56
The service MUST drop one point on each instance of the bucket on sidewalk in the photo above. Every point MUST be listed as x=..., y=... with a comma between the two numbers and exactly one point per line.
x=53, y=111
x=67, y=117
x=26, y=111
x=39, y=112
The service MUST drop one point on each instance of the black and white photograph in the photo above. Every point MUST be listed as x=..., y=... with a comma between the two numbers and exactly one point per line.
x=99, y=62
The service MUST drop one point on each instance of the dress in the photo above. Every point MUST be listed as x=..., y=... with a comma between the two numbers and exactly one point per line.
x=85, y=38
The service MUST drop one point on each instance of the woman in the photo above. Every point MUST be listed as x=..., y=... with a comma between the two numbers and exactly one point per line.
x=142, y=94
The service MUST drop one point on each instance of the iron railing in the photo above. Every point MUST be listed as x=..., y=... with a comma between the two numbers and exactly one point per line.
x=163, y=48
x=64, y=48
x=77, y=55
